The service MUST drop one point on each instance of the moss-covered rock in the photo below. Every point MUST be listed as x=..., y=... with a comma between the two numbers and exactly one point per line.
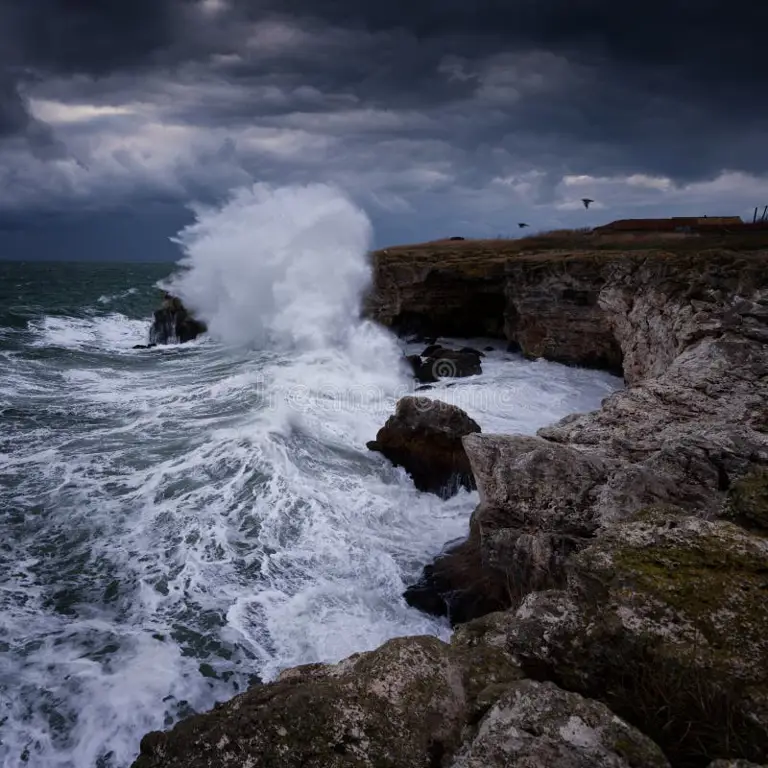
x=700, y=585
x=538, y=725
x=748, y=500
x=665, y=620
x=401, y=706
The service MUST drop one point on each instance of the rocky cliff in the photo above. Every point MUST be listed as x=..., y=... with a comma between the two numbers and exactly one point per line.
x=628, y=547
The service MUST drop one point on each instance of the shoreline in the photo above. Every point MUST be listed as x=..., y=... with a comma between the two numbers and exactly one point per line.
x=630, y=526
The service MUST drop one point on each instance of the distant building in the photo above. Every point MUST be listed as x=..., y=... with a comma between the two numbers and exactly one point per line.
x=674, y=224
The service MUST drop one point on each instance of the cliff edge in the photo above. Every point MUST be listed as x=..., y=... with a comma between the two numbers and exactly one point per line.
x=631, y=543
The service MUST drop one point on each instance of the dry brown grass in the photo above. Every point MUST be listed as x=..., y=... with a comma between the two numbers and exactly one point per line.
x=572, y=241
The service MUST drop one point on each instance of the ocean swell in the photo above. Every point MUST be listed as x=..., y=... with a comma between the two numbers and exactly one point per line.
x=181, y=520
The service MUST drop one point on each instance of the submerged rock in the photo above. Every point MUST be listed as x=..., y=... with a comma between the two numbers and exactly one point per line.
x=174, y=324
x=424, y=437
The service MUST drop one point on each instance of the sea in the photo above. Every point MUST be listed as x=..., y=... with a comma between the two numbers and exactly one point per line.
x=181, y=522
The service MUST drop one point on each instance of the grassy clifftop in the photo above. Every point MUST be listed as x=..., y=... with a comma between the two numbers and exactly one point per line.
x=561, y=243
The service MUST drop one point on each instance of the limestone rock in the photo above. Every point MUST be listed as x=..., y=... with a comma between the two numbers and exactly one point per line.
x=404, y=705
x=553, y=309
x=538, y=725
x=665, y=621
x=748, y=500
x=174, y=324
x=424, y=437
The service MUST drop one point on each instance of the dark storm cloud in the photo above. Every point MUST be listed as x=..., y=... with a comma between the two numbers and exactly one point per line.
x=396, y=90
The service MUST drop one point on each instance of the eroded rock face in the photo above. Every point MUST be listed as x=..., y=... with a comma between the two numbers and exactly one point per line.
x=424, y=437
x=685, y=438
x=538, y=725
x=610, y=527
x=404, y=705
x=173, y=324
x=462, y=296
x=628, y=544
x=664, y=619
x=553, y=309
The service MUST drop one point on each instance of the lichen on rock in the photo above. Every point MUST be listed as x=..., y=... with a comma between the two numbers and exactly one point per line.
x=404, y=705
x=665, y=620
x=538, y=725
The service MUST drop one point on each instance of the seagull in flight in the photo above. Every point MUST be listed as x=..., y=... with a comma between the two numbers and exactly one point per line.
x=586, y=201
x=522, y=224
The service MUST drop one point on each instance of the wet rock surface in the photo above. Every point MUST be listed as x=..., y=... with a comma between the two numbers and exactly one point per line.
x=424, y=437
x=438, y=362
x=616, y=566
x=174, y=324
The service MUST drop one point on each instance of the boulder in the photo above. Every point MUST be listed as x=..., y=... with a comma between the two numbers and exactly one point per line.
x=664, y=619
x=174, y=324
x=438, y=362
x=538, y=725
x=424, y=437
x=404, y=705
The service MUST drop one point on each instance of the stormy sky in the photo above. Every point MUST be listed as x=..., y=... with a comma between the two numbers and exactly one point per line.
x=439, y=117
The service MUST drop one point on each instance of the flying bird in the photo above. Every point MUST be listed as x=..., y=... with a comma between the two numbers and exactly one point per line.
x=522, y=224
x=586, y=201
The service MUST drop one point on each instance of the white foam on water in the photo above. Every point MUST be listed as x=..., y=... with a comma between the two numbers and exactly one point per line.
x=108, y=299
x=204, y=513
x=110, y=332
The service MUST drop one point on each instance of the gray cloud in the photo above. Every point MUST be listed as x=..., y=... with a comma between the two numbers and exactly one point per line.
x=429, y=113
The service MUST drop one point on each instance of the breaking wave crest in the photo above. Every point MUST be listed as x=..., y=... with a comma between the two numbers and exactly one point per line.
x=183, y=519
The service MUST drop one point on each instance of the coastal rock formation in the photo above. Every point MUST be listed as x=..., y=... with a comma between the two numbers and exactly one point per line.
x=687, y=437
x=538, y=725
x=174, y=324
x=424, y=437
x=682, y=435
x=452, y=290
x=664, y=619
x=624, y=552
x=409, y=704
x=591, y=308
x=437, y=362
x=404, y=704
